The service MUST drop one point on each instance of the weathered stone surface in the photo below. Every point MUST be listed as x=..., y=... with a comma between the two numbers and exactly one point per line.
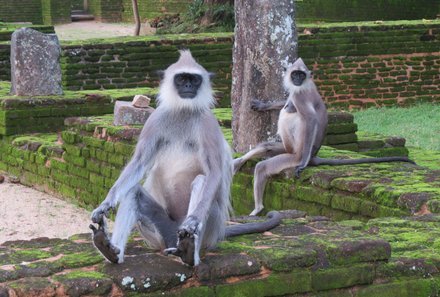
x=215, y=267
x=141, y=101
x=126, y=114
x=310, y=255
x=413, y=201
x=148, y=273
x=35, y=68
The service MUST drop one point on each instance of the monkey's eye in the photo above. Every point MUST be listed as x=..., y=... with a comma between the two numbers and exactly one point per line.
x=180, y=79
x=196, y=80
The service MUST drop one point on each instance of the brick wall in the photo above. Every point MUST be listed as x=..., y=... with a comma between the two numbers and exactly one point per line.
x=371, y=10
x=56, y=11
x=374, y=66
x=106, y=10
x=21, y=11
x=135, y=63
x=353, y=67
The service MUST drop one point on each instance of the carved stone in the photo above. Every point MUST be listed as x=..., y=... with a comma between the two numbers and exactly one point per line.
x=35, y=67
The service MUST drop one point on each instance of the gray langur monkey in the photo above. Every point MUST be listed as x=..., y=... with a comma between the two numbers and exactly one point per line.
x=302, y=124
x=176, y=187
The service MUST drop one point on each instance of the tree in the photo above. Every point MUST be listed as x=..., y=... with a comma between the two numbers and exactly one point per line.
x=265, y=43
x=137, y=19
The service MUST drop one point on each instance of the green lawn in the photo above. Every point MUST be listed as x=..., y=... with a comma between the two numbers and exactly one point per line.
x=420, y=124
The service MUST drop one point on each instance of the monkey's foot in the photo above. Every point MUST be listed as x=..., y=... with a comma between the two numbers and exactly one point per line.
x=238, y=163
x=256, y=210
x=188, y=242
x=298, y=170
x=102, y=243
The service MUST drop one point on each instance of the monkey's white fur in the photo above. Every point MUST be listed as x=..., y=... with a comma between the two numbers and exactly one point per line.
x=168, y=97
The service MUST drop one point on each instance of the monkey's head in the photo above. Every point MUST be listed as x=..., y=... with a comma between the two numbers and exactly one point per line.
x=297, y=77
x=186, y=84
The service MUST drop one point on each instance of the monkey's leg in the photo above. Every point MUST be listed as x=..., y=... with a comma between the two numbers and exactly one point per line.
x=155, y=220
x=190, y=232
x=264, y=149
x=263, y=171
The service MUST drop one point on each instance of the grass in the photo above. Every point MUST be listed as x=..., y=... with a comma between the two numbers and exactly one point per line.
x=419, y=124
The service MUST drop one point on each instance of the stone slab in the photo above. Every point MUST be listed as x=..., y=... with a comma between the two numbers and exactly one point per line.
x=35, y=67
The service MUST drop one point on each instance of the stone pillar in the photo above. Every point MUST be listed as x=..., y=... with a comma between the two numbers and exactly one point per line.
x=35, y=67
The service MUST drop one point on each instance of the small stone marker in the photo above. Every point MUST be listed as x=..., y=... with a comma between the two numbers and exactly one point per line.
x=132, y=113
x=35, y=67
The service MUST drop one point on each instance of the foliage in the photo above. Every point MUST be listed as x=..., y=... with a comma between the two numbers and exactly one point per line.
x=419, y=124
x=191, y=21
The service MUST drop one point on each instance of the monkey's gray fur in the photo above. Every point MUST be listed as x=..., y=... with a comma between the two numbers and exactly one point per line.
x=302, y=124
x=185, y=167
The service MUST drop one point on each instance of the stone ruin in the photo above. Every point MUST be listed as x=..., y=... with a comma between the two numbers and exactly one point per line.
x=35, y=67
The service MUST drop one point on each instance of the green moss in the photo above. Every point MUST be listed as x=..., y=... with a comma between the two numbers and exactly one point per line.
x=82, y=274
x=80, y=259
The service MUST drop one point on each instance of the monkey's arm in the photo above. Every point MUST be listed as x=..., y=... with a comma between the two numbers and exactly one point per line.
x=135, y=170
x=259, y=105
x=310, y=129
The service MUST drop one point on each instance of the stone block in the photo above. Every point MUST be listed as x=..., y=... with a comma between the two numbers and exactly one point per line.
x=141, y=101
x=35, y=68
x=127, y=114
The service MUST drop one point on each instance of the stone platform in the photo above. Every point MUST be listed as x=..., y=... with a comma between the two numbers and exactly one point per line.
x=305, y=256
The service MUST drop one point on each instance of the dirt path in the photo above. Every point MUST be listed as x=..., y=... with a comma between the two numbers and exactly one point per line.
x=27, y=213
x=91, y=29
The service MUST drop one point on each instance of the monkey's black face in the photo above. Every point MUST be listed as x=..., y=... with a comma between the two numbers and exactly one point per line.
x=298, y=77
x=187, y=84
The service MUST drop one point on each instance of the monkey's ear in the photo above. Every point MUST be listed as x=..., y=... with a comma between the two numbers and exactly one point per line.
x=284, y=68
x=211, y=75
x=161, y=74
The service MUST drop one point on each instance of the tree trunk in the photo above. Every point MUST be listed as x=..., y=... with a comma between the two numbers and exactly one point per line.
x=265, y=43
x=137, y=19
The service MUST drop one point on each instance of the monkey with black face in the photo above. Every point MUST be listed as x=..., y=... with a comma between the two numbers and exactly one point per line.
x=176, y=186
x=302, y=124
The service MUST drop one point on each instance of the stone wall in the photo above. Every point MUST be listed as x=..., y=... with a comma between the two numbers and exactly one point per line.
x=21, y=11
x=372, y=10
x=135, y=63
x=56, y=11
x=354, y=66
x=106, y=10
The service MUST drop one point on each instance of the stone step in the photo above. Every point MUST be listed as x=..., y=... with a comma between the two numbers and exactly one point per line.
x=82, y=17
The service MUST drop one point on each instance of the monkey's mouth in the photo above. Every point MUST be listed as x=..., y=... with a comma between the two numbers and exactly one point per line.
x=187, y=95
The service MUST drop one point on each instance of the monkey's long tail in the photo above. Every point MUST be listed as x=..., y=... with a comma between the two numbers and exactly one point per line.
x=273, y=220
x=316, y=161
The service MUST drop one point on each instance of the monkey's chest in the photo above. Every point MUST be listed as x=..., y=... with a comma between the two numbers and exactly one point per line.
x=289, y=127
x=170, y=179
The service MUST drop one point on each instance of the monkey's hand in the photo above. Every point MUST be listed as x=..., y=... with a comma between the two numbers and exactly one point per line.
x=101, y=211
x=188, y=242
x=258, y=105
x=298, y=170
